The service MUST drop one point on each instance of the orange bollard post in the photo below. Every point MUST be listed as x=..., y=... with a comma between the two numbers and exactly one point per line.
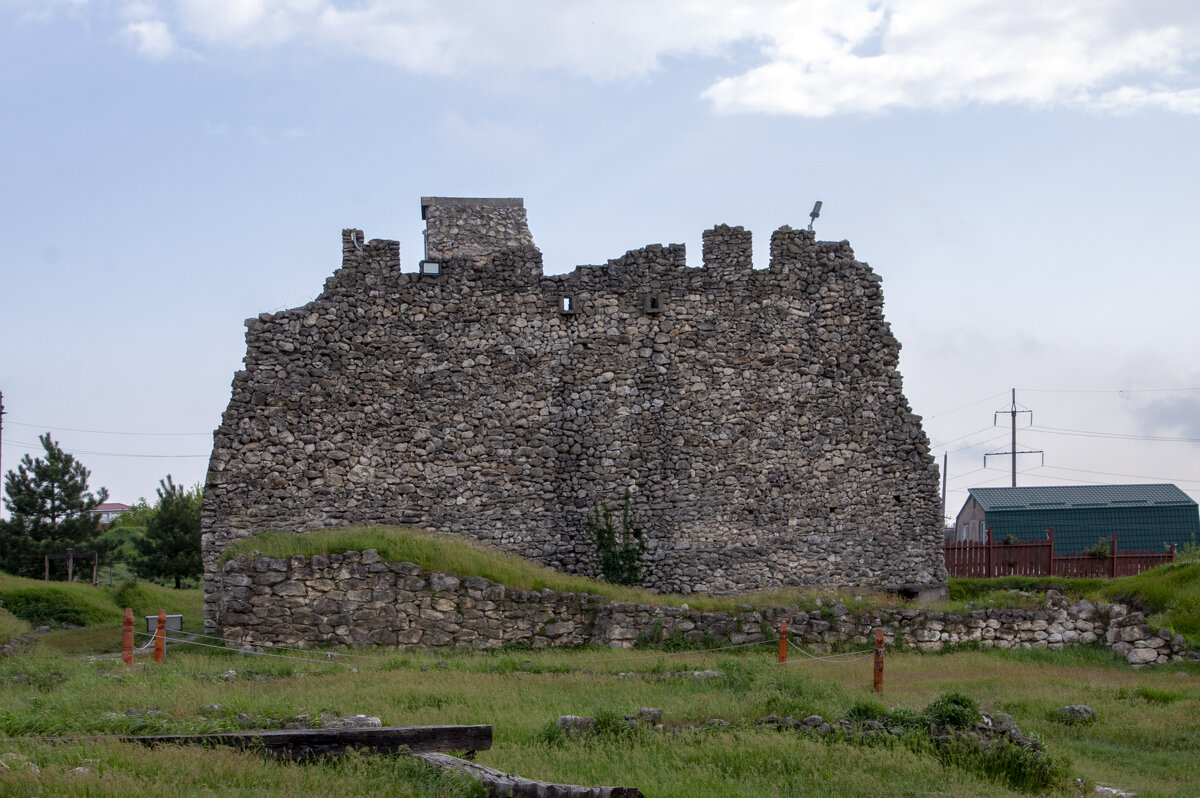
x=879, y=660
x=782, y=642
x=127, y=637
x=160, y=637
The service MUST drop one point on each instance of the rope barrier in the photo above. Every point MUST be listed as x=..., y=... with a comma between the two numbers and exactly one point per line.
x=812, y=658
x=317, y=655
x=678, y=653
x=329, y=657
x=277, y=647
x=833, y=657
x=224, y=648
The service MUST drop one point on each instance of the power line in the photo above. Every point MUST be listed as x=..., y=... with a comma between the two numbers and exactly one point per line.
x=28, y=445
x=940, y=444
x=1129, y=476
x=1109, y=390
x=980, y=443
x=1083, y=433
x=108, y=432
x=969, y=473
x=964, y=407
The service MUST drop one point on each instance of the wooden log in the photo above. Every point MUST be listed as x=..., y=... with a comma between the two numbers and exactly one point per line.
x=508, y=785
x=299, y=744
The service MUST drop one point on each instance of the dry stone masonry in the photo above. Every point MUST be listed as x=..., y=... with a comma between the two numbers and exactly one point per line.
x=756, y=416
x=357, y=599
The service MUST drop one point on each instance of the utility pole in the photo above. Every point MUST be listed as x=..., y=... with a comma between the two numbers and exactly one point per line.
x=1, y=442
x=1012, y=412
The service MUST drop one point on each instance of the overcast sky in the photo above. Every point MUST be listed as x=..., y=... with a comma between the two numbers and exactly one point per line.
x=1022, y=174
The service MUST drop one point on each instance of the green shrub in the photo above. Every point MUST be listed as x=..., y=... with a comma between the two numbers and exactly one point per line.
x=54, y=604
x=1154, y=695
x=952, y=709
x=619, y=550
x=863, y=711
x=613, y=724
x=135, y=596
x=1018, y=767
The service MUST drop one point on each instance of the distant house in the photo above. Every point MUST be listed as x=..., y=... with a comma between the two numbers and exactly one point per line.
x=108, y=511
x=1144, y=517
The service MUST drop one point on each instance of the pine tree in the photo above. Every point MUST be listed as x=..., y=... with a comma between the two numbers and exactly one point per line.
x=171, y=545
x=49, y=507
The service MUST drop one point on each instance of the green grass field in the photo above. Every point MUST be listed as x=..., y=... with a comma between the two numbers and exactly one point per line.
x=72, y=683
x=1144, y=740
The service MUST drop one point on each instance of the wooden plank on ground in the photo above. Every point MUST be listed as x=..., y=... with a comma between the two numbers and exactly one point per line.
x=507, y=785
x=310, y=743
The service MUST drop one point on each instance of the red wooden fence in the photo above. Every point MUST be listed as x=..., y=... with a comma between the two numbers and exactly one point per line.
x=970, y=559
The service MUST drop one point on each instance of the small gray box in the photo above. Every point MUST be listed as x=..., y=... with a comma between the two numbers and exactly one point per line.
x=174, y=623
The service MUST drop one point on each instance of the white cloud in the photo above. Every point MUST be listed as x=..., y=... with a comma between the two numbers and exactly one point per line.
x=250, y=23
x=1094, y=55
x=152, y=39
x=812, y=57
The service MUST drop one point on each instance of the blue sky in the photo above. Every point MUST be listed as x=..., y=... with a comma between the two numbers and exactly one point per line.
x=1022, y=174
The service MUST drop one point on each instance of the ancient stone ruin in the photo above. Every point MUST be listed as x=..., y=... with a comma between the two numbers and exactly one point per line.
x=357, y=599
x=755, y=416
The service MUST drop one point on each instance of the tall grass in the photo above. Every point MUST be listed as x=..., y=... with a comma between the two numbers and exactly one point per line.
x=11, y=626
x=1142, y=741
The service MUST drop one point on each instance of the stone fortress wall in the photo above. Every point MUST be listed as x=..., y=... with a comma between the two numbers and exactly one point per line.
x=357, y=599
x=755, y=415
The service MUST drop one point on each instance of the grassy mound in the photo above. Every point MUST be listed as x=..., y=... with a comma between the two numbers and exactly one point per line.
x=461, y=556
x=11, y=626
x=147, y=598
x=100, y=609
x=50, y=603
x=1170, y=594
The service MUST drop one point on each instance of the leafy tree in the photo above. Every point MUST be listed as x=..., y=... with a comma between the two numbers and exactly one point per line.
x=171, y=545
x=136, y=516
x=49, y=507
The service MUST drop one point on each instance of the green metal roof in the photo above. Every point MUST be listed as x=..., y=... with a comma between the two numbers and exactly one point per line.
x=1144, y=517
x=1079, y=496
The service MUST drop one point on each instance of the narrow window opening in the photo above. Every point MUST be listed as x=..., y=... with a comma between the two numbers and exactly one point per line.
x=653, y=303
x=566, y=306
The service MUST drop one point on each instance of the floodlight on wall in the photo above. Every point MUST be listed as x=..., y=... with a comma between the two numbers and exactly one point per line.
x=566, y=306
x=430, y=267
x=812, y=217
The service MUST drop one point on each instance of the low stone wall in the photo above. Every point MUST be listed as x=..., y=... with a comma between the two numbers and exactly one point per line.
x=357, y=599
